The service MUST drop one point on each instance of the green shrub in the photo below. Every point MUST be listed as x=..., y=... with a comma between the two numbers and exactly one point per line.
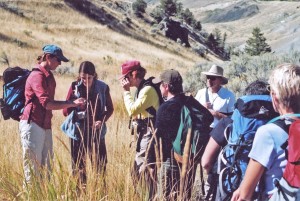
x=139, y=7
x=157, y=14
x=240, y=71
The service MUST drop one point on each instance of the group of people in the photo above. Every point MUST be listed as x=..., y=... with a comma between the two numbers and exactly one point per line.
x=155, y=112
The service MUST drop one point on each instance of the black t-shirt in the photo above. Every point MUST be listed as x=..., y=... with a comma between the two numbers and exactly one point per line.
x=218, y=132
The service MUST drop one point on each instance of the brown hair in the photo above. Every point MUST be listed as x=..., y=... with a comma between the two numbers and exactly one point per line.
x=88, y=67
x=42, y=58
x=139, y=73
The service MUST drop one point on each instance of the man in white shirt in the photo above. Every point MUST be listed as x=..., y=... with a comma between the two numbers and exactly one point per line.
x=217, y=99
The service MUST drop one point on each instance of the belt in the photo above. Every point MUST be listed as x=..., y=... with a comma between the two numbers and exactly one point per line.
x=146, y=120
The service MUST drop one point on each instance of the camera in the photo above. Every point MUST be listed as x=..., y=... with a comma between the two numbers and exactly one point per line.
x=81, y=115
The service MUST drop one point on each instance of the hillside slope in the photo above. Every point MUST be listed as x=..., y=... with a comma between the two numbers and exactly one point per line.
x=278, y=20
x=93, y=32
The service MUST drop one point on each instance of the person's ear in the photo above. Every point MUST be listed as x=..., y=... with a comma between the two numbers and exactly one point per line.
x=275, y=101
x=167, y=86
x=45, y=57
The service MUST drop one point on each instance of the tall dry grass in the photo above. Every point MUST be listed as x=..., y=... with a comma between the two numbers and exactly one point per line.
x=23, y=32
x=116, y=184
x=62, y=185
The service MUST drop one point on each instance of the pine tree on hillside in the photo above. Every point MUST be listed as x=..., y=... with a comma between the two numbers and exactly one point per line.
x=257, y=45
x=211, y=42
x=169, y=7
x=187, y=16
x=139, y=7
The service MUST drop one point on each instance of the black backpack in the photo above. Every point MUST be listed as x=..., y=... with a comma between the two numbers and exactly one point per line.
x=196, y=119
x=149, y=82
x=13, y=101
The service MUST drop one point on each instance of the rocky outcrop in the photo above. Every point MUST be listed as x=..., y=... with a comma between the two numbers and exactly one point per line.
x=234, y=12
x=175, y=31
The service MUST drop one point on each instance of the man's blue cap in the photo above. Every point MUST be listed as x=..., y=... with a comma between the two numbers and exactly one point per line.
x=56, y=51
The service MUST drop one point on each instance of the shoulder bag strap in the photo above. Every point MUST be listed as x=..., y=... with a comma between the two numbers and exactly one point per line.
x=206, y=95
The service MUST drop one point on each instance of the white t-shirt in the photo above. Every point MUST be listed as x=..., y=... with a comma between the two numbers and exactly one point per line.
x=267, y=151
x=223, y=101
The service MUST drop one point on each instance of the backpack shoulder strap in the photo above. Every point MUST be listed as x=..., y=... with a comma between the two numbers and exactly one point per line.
x=206, y=95
x=35, y=97
x=149, y=82
x=281, y=123
x=283, y=116
x=286, y=127
x=151, y=110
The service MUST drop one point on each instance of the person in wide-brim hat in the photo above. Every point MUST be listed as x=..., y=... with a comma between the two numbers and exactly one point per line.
x=216, y=71
x=218, y=100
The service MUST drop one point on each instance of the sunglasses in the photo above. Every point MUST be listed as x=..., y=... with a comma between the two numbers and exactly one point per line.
x=212, y=78
x=58, y=60
x=269, y=88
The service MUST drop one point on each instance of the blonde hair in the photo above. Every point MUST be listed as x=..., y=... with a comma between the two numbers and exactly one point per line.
x=285, y=82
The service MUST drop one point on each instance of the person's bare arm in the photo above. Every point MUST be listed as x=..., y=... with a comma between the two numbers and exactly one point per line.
x=253, y=174
x=58, y=105
x=210, y=154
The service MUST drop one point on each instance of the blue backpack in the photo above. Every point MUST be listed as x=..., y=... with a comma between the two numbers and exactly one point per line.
x=250, y=113
x=13, y=101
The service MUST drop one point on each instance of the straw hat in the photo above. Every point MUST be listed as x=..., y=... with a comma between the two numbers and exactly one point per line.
x=216, y=71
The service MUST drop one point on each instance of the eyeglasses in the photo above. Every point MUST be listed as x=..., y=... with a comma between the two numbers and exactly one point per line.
x=212, y=78
x=269, y=88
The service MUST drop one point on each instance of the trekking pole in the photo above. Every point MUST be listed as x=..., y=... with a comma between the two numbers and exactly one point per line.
x=185, y=164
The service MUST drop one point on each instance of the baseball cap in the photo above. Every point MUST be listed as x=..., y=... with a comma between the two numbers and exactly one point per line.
x=128, y=67
x=56, y=51
x=170, y=76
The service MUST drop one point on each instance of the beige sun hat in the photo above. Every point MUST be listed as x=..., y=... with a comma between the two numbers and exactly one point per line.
x=216, y=71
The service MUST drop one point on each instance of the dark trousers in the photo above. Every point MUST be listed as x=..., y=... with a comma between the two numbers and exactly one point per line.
x=94, y=149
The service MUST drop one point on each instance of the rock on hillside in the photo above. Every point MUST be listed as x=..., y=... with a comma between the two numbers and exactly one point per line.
x=233, y=12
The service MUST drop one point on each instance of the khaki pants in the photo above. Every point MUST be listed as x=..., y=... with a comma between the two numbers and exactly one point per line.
x=37, y=145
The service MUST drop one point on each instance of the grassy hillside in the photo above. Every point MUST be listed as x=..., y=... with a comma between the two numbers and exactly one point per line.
x=108, y=35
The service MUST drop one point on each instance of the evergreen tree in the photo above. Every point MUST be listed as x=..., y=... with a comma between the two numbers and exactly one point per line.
x=217, y=34
x=257, y=45
x=197, y=25
x=157, y=14
x=169, y=7
x=224, y=39
x=179, y=8
x=211, y=42
x=139, y=7
x=219, y=47
x=187, y=16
